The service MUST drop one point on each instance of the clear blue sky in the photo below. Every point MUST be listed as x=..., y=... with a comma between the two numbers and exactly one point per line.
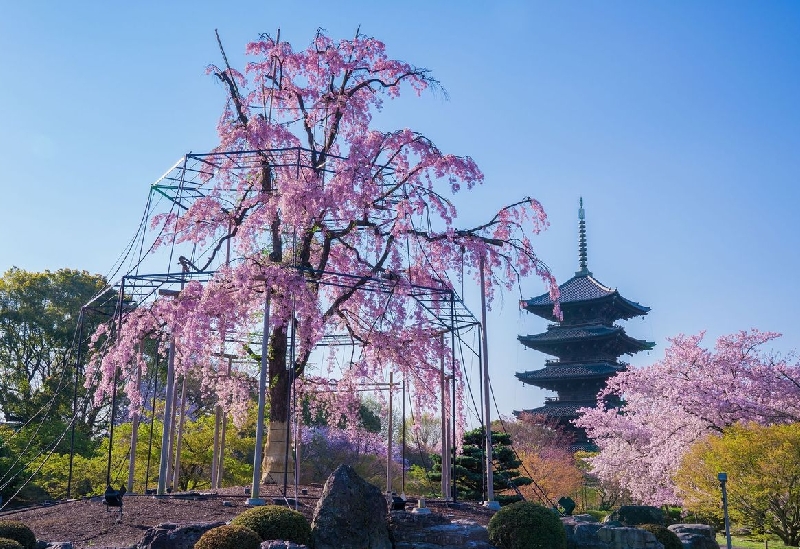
x=678, y=122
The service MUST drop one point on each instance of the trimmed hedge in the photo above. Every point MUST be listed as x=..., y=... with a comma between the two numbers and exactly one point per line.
x=276, y=522
x=16, y=530
x=6, y=543
x=526, y=525
x=230, y=536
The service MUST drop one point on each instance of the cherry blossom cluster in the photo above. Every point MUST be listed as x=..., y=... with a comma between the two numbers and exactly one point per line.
x=692, y=392
x=317, y=205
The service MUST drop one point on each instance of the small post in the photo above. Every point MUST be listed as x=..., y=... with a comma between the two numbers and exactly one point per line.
x=723, y=480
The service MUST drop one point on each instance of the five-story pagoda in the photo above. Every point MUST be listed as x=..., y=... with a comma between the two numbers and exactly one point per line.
x=587, y=342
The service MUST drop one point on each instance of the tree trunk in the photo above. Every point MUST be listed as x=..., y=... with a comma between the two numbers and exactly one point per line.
x=274, y=464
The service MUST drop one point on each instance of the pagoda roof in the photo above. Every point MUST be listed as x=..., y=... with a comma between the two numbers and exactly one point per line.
x=569, y=371
x=583, y=289
x=554, y=339
x=560, y=409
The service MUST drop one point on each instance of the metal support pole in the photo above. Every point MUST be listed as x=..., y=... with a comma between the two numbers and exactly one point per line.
x=152, y=424
x=165, y=457
x=445, y=431
x=403, y=484
x=134, y=437
x=453, y=404
x=176, y=472
x=215, y=454
x=490, y=501
x=723, y=480
x=262, y=400
x=389, y=442
x=114, y=388
x=75, y=401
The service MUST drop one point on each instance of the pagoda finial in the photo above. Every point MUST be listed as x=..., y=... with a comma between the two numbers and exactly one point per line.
x=582, y=262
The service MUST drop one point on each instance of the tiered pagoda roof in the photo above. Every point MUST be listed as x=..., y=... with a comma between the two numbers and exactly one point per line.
x=586, y=341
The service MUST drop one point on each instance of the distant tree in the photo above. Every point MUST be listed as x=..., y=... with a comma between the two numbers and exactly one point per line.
x=469, y=470
x=544, y=448
x=763, y=466
x=39, y=314
x=692, y=392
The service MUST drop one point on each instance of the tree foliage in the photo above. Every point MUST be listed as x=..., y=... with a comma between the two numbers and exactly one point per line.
x=39, y=316
x=354, y=200
x=544, y=449
x=692, y=392
x=763, y=466
x=469, y=468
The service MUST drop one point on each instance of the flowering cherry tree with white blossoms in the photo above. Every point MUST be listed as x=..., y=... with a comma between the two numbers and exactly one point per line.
x=316, y=205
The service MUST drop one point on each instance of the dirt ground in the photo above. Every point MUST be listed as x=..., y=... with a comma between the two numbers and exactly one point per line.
x=87, y=522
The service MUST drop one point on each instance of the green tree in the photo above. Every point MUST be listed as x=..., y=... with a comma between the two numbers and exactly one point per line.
x=469, y=466
x=763, y=466
x=39, y=316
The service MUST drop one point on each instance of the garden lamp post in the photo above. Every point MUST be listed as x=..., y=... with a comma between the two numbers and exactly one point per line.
x=723, y=479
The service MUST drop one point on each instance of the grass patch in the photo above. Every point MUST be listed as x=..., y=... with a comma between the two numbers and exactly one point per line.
x=749, y=543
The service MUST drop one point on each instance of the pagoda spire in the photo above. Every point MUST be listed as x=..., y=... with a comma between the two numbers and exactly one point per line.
x=582, y=253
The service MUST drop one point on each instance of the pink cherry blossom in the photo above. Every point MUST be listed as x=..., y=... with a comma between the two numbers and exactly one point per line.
x=693, y=391
x=323, y=192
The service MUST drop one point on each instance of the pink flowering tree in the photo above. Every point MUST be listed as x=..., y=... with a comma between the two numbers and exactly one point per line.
x=671, y=404
x=317, y=205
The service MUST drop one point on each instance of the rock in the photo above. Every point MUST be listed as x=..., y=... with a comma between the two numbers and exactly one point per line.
x=351, y=514
x=433, y=531
x=632, y=515
x=279, y=544
x=172, y=536
x=628, y=538
x=582, y=532
x=695, y=536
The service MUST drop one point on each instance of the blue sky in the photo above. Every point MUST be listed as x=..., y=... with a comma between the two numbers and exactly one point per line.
x=678, y=122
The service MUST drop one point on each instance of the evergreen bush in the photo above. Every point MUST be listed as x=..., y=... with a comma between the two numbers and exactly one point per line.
x=16, y=530
x=6, y=543
x=230, y=536
x=275, y=522
x=667, y=537
x=526, y=525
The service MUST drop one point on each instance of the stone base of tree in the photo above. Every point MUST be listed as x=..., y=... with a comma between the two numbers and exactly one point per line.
x=275, y=465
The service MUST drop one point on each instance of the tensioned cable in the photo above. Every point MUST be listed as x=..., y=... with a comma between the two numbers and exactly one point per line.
x=541, y=493
x=50, y=453
x=45, y=410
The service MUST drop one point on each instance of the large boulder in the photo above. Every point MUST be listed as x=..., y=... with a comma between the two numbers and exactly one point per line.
x=633, y=515
x=433, y=531
x=582, y=532
x=628, y=538
x=172, y=536
x=351, y=514
x=696, y=536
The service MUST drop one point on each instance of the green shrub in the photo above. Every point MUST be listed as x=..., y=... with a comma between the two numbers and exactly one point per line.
x=525, y=525
x=6, y=543
x=230, y=536
x=13, y=529
x=276, y=522
x=597, y=514
x=667, y=537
